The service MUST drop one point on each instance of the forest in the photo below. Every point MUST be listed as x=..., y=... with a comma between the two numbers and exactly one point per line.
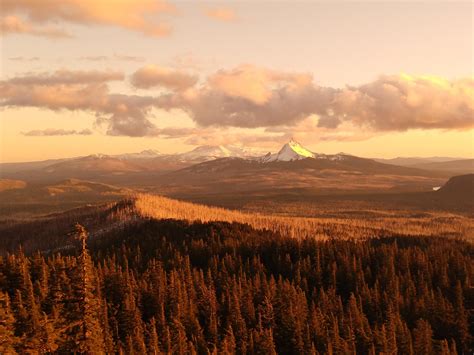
x=174, y=286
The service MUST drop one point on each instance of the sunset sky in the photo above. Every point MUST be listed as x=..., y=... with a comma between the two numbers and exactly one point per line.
x=374, y=79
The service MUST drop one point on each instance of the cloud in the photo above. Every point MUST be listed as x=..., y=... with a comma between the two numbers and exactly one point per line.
x=249, y=96
x=245, y=97
x=134, y=15
x=57, y=132
x=66, y=77
x=402, y=102
x=310, y=129
x=176, y=132
x=236, y=137
x=24, y=59
x=223, y=14
x=15, y=25
x=128, y=58
x=84, y=91
x=125, y=58
x=152, y=76
x=255, y=84
x=96, y=58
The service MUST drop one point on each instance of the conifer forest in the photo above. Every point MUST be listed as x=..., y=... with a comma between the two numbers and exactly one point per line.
x=171, y=286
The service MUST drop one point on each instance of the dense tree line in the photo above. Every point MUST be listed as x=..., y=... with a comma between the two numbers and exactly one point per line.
x=177, y=287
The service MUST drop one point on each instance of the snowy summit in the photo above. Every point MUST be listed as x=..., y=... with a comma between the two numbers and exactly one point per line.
x=289, y=152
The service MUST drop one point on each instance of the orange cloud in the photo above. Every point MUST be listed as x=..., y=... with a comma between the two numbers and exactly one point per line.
x=67, y=77
x=15, y=25
x=120, y=57
x=252, y=97
x=402, y=102
x=254, y=83
x=129, y=14
x=155, y=76
x=221, y=14
x=48, y=132
x=83, y=91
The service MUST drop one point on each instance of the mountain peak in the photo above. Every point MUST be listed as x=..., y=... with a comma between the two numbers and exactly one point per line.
x=293, y=150
x=96, y=156
x=289, y=152
x=148, y=153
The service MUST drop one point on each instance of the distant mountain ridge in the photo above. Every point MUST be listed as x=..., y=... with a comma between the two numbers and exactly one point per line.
x=291, y=151
x=452, y=165
x=145, y=160
x=147, y=167
x=415, y=160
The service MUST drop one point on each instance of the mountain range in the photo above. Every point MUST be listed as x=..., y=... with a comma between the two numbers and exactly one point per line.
x=219, y=174
x=452, y=165
x=153, y=160
x=216, y=166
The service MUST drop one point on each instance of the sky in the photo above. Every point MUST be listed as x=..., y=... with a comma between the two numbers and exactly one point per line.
x=374, y=79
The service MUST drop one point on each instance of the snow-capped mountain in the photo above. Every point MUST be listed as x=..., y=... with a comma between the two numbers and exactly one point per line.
x=205, y=152
x=211, y=152
x=293, y=151
x=289, y=152
x=199, y=154
x=145, y=154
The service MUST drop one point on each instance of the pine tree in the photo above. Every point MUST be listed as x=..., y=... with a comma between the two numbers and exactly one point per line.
x=228, y=344
x=423, y=338
x=178, y=338
x=84, y=331
x=8, y=340
x=263, y=342
x=462, y=324
x=153, y=344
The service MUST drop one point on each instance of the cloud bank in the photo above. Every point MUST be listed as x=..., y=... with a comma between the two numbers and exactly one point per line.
x=152, y=76
x=15, y=25
x=399, y=103
x=120, y=57
x=254, y=97
x=67, y=77
x=130, y=14
x=57, y=132
x=81, y=91
x=250, y=97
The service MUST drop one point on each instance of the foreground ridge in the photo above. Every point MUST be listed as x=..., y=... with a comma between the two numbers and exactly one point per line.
x=344, y=227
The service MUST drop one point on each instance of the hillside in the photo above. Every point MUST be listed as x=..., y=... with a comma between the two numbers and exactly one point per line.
x=7, y=184
x=321, y=175
x=40, y=199
x=92, y=164
x=178, y=286
x=331, y=221
x=459, y=187
x=110, y=168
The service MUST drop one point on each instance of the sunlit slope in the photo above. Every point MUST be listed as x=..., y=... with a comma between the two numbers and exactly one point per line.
x=377, y=223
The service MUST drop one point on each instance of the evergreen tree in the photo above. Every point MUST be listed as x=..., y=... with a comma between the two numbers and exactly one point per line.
x=423, y=338
x=8, y=340
x=84, y=331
